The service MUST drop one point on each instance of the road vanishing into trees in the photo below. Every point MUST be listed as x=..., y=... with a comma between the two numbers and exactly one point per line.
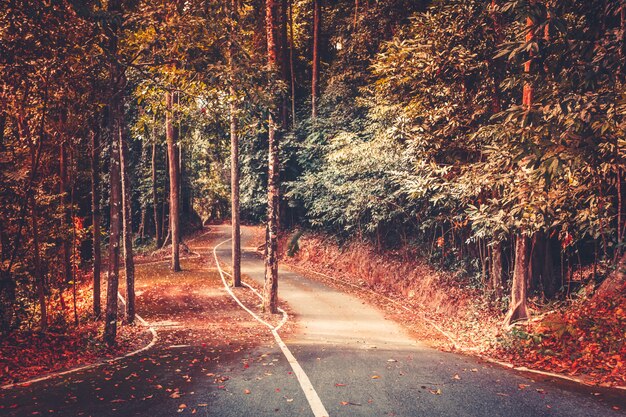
x=344, y=359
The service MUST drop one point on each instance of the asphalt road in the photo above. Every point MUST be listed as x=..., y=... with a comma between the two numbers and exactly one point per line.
x=361, y=364
x=358, y=363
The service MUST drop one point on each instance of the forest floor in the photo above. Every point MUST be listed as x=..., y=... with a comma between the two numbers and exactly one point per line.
x=29, y=353
x=581, y=339
x=194, y=297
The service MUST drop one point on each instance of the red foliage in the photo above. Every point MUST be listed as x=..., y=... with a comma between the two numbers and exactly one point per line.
x=587, y=339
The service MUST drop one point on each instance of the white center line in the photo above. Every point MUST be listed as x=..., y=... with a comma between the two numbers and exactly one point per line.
x=309, y=392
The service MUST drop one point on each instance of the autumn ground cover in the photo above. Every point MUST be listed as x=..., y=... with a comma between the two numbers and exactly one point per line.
x=581, y=337
x=186, y=308
x=26, y=354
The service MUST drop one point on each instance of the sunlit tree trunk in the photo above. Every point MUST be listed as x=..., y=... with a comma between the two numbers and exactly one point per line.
x=518, y=308
x=96, y=217
x=317, y=16
x=270, y=289
x=234, y=151
x=115, y=195
x=115, y=203
x=127, y=224
x=172, y=154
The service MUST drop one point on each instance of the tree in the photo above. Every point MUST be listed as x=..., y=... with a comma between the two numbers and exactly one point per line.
x=234, y=150
x=174, y=167
x=95, y=218
x=127, y=226
x=518, y=309
x=115, y=130
x=270, y=288
x=315, y=71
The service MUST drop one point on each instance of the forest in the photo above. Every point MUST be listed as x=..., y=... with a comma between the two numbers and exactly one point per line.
x=484, y=138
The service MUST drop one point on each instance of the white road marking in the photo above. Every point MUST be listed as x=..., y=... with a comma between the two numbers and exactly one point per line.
x=309, y=392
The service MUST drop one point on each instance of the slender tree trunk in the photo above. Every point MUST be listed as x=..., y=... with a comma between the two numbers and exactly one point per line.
x=115, y=202
x=67, y=254
x=270, y=289
x=96, y=217
x=317, y=16
x=155, y=198
x=234, y=152
x=292, y=73
x=127, y=224
x=39, y=280
x=518, y=309
x=172, y=154
x=356, y=13
x=495, y=282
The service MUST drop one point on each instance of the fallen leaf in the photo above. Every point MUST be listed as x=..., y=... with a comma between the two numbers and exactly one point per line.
x=375, y=377
x=522, y=386
x=182, y=406
x=340, y=385
x=456, y=376
x=246, y=391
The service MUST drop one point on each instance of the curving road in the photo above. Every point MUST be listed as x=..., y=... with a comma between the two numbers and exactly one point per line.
x=358, y=363
x=361, y=364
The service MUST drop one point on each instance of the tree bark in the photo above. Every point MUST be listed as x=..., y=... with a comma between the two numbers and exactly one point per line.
x=292, y=73
x=495, y=282
x=127, y=224
x=518, y=310
x=317, y=15
x=39, y=280
x=270, y=289
x=155, y=198
x=172, y=153
x=95, y=222
x=115, y=203
x=234, y=152
x=63, y=180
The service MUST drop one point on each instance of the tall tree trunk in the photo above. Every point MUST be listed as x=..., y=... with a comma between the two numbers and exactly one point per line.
x=115, y=195
x=284, y=60
x=63, y=180
x=155, y=199
x=496, y=273
x=39, y=280
x=127, y=224
x=95, y=220
x=115, y=203
x=270, y=289
x=172, y=154
x=518, y=309
x=292, y=73
x=356, y=13
x=317, y=16
x=234, y=152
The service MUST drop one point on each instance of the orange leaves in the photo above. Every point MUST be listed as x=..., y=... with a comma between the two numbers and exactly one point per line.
x=586, y=339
